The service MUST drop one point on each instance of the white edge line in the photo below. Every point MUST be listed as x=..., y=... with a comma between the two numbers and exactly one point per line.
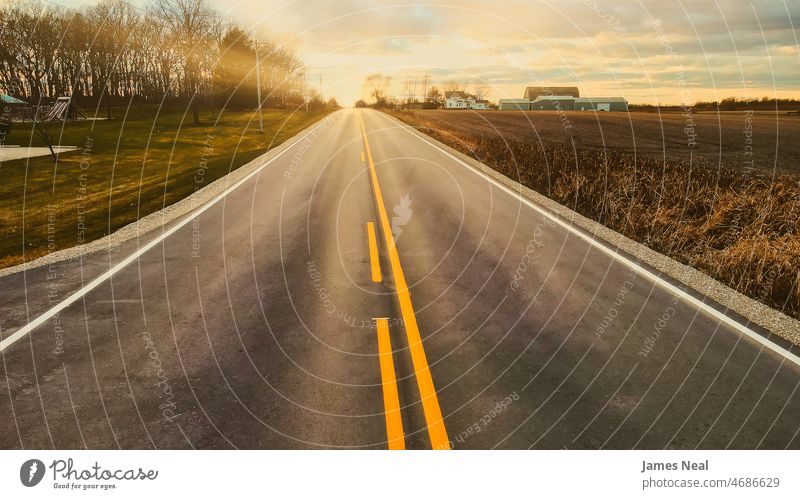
x=77, y=295
x=617, y=256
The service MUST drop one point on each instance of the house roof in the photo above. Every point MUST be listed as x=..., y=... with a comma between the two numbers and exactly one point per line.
x=458, y=94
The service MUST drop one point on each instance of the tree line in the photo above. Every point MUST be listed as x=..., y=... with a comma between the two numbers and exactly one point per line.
x=727, y=104
x=416, y=91
x=174, y=49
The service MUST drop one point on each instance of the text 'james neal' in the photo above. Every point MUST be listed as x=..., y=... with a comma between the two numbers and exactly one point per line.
x=684, y=466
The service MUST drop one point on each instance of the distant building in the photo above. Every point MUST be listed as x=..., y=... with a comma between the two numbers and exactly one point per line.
x=531, y=93
x=601, y=104
x=481, y=104
x=553, y=103
x=457, y=99
x=514, y=105
x=563, y=99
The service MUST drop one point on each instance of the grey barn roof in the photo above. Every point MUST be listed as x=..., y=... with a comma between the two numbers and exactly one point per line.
x=554, y=97
x=600, y=99
x=531, y=93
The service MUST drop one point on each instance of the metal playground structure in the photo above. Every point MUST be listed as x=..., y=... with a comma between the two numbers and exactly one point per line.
x=63, y=109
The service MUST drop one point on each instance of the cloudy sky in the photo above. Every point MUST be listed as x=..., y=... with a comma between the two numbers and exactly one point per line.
x=665, y=51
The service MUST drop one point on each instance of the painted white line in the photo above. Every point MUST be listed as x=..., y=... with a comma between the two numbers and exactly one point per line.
x=25, y=330
x=617, y=256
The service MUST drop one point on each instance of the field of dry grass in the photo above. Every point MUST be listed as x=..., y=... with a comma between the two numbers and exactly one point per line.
x=720, y=137
x=738, y=228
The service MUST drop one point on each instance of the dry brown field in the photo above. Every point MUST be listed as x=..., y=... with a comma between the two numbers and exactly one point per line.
x=701, y=205
x=720, y=138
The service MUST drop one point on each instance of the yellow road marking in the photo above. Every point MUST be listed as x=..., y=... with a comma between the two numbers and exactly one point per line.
x=391, y=400
x=373, y=252
x=430, y=402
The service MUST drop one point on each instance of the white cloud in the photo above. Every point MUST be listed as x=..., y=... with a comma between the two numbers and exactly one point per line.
x=603, y=46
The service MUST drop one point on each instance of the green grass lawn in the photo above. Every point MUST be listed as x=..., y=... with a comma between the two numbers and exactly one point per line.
x=126, y=168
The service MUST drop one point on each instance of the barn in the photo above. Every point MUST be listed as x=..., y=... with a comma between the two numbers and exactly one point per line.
x=531, y=93
x=514, y=105
x=601, y=104
x=553, y=103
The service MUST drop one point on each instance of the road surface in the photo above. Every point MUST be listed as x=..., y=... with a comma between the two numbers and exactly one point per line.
x=365, y=289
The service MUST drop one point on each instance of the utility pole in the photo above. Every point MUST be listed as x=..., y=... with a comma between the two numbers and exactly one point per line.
x=258, y=89
x=305, y=96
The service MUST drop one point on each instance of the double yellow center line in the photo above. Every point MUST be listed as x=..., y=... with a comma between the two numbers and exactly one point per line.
x=430, y=402
x=373, y=253
x=391, y=399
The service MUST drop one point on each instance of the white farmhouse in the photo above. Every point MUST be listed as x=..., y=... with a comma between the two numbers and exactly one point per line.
x=457, y=99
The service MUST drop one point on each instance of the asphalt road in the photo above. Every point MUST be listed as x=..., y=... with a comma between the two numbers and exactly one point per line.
x=253, y=325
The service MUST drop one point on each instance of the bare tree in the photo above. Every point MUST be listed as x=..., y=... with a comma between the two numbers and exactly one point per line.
x=410, y=90
x=191, y=24
x=425, y=81
x=163, y=56
x=376, y=87
x=112, y=50
x=454, y=86
x=481, y=89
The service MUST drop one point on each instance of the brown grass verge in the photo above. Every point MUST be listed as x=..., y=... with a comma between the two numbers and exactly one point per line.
x=740, y=230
